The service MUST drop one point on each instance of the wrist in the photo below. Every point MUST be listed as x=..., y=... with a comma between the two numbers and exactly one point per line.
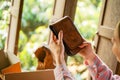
x=60, y=62
x=90, y=58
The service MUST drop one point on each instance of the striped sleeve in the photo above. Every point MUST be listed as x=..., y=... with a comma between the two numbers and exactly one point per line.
x=62, y=73
x=100, y=71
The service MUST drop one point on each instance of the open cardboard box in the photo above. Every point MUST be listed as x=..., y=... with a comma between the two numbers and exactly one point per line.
x=11, y=69
x=4, y=62
x=9, y=63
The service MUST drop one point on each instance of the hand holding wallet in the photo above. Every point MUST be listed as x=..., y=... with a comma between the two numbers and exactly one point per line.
x=71, y=37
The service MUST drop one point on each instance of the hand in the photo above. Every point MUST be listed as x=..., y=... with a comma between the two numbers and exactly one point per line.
x=57, y=48
x=87, y=52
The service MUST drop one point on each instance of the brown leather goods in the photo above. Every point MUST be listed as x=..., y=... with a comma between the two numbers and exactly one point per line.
x=71, y=37
x=45, y=60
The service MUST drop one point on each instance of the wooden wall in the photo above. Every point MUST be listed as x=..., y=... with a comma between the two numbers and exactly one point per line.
x=110, y=15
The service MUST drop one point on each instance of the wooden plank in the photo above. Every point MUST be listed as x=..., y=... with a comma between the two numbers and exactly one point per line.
x=63, y=8
x=112, y=13
x=106, y=32
x=70, y=8
x=96, y=41
x=58, y=11
x=105, y=53
x=101, y=19
x=14, y=28
x=103, y=10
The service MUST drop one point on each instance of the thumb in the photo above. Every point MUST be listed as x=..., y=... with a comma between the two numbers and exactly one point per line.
x=60, y=36
x=84, y=44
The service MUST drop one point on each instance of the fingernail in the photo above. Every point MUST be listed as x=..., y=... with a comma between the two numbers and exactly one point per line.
x=61, y=31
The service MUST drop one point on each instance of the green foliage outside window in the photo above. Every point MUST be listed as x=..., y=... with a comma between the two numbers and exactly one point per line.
x=4, y=21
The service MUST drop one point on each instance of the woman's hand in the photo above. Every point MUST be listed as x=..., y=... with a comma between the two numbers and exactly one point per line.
x=57, y=48
x=87, y=52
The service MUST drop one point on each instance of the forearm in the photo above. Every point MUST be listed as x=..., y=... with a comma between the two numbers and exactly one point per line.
x=62, y=73
x=89, y=59
x=100, y=71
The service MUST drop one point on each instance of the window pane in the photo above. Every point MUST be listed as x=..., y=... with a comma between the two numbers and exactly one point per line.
x=34, y=30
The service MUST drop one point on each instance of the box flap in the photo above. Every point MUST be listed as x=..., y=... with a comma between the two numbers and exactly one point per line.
x=4, y=62
x=9, y=63
x=14, y=68
x=36, y=75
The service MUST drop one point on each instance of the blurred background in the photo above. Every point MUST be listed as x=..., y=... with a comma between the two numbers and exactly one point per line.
x=34, y=30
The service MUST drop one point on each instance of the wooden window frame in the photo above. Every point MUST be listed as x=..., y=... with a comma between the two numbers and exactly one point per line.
x=14, y=26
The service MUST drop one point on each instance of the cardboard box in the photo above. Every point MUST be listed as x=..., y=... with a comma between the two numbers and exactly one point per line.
x=36, y=75
x=14, y=68
x=9, y=63
x=11, y=69
x=4, y=62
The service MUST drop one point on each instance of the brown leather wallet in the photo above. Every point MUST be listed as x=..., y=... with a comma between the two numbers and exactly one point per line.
x=71, y=37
